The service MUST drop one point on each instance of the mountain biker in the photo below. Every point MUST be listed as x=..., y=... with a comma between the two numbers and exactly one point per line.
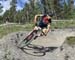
x=44, y=23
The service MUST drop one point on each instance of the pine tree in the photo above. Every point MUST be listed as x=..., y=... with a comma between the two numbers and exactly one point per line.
x=71, y=4
x=1, y=8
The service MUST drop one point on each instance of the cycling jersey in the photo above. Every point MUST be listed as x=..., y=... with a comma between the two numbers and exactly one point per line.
x=44, y=22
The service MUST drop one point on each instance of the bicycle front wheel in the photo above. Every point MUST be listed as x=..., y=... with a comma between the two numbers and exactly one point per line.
x=25, y=42
x=22, y=43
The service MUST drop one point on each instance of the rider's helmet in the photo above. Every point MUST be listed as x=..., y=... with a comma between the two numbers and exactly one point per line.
x=49, y=14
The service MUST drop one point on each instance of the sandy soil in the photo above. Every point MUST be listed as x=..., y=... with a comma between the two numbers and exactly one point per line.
x=51, y=47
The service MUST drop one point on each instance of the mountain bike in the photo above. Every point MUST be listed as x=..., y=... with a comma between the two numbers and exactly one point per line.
x=30, y=37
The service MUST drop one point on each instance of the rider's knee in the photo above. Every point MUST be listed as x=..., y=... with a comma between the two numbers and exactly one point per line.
x=44, y=30
x=35, y=28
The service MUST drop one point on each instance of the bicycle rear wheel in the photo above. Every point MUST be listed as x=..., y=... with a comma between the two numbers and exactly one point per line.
x=34, y=50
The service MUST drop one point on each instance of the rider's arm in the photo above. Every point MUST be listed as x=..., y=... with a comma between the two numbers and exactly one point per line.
x=35, y=18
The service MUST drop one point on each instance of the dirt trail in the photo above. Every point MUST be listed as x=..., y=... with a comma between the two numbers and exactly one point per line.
x=10, y=51
x=54, y=38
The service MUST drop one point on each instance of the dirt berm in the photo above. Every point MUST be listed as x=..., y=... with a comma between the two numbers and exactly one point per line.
x=53, y=46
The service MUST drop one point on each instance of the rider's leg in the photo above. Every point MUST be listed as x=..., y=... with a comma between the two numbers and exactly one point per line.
x=37, y=35
x=36, y=28
x=47, y=29
x=44, y=31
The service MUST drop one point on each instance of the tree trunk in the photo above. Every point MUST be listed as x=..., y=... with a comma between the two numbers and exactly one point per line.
x=71, y=5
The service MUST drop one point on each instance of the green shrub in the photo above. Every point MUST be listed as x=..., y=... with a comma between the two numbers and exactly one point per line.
x=71, y=40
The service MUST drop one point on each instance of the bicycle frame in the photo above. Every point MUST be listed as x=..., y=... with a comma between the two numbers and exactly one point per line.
x=29, y=37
